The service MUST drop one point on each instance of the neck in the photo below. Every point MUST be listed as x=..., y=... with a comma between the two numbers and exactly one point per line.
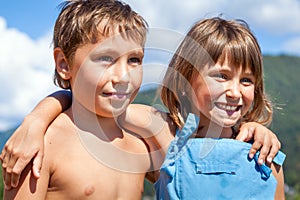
x=209, y=129
x=105, y=128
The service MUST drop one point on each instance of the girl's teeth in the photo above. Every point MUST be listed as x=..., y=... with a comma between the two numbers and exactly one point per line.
x=229, y=108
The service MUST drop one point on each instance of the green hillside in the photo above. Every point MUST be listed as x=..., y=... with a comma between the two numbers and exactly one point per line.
x=282, y=83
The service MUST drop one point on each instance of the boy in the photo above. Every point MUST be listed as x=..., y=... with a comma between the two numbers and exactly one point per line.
x=98, y=52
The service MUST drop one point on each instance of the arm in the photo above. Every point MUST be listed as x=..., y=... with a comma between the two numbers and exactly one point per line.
x=154, y=128
x=29, y=187
x=27, y=141
x=277, y=171
x=143, y=120
x=264, y=140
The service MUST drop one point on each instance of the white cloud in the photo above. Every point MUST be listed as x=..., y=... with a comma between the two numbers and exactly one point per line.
x=268, y=19
x=274, y=15
x=26, y=67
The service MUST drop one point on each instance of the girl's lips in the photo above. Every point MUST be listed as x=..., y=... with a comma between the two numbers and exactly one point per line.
x=227, y=107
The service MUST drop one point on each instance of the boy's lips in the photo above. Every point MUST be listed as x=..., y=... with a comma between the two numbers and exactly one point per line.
x=117, y=95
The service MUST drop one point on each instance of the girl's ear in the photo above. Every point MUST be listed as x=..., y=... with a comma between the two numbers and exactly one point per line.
x=61, y=64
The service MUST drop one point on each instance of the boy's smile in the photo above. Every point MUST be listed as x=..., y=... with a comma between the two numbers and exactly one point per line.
x=107, y=75
x=116, y=95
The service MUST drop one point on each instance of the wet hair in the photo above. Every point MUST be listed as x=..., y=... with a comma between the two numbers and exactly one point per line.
x=83, y=22
x=210, y=41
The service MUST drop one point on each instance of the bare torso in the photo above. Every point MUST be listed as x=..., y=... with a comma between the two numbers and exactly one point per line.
x=70, y=171
x=79, y=174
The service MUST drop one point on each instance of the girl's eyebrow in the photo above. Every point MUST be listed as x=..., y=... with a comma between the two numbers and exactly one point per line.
x=248, y=72
x=219, y=68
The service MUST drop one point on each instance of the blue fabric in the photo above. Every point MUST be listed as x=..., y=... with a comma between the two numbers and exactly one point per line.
x=203, y=168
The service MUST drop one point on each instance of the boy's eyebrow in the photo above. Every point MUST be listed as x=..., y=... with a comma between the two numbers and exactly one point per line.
x=116, y=52
x=104, y=49
x=117, y=47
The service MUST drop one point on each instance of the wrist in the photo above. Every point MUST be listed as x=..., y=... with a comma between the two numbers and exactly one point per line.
x=36, y=121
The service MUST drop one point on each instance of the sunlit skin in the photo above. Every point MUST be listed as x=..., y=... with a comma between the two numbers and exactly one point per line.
x=227, y=93
x=110, y=72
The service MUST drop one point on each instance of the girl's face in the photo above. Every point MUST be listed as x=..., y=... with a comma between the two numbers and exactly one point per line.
x=223, y=93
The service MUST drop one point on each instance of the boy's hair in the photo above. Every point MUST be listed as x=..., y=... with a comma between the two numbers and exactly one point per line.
x=210, y=41
x=82, y=22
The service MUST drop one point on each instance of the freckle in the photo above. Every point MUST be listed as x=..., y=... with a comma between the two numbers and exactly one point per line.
x=89, y=190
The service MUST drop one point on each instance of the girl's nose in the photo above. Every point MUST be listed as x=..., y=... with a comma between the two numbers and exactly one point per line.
x=233, y=90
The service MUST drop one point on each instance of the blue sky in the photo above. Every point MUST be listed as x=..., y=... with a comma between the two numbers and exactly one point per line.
x=32, y=17
x=26, y=64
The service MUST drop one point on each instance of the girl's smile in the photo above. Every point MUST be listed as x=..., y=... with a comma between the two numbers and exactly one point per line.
x=230, y=109
x=223, y=94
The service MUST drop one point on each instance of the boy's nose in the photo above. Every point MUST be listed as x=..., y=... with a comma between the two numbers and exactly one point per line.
x=121, y=73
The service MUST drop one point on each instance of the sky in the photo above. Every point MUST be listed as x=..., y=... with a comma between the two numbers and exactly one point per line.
x=26, y=63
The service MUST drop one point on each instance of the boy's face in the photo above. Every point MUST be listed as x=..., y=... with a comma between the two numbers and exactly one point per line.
x=105, y=77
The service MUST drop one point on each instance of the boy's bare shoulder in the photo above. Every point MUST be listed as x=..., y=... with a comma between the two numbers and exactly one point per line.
x=61, y=127
x=60, y=138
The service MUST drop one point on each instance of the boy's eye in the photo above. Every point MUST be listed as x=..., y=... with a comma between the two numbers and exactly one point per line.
x=135, y=60
x=106, y=59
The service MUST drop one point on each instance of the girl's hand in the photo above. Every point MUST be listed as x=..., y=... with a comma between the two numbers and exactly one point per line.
x=263, y=139
x=27, y=142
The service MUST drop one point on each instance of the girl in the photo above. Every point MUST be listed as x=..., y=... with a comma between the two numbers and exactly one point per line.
x=221, y=62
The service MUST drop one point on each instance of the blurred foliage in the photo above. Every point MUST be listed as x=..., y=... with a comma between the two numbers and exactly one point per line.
x=282, y=84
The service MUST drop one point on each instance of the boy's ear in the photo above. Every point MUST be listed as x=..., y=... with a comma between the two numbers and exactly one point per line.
x=61, y=64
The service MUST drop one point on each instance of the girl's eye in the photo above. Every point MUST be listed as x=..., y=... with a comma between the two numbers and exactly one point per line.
x=247, y=81
x=135, y=61
x=220, y=76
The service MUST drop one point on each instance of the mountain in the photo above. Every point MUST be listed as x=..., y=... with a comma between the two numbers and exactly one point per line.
x=282, y=83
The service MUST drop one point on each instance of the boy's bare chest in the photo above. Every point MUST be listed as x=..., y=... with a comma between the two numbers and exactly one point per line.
x=84, y=177
x=78, y=173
